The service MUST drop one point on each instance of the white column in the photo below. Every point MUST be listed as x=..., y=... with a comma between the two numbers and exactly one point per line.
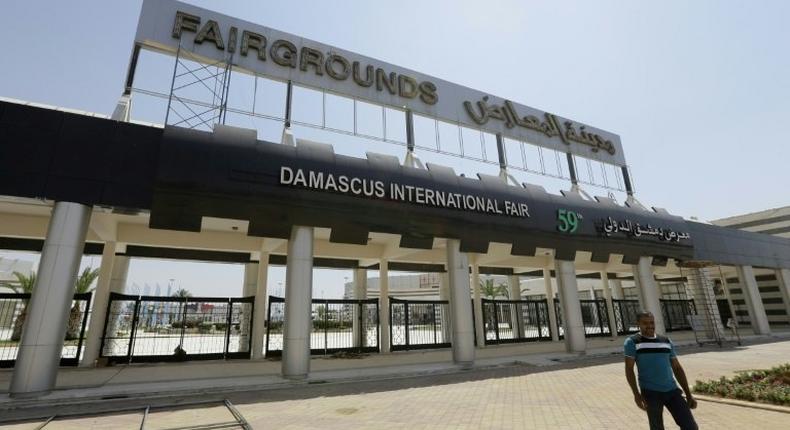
x=617, y=289
x=555, y=335
x=754, y=302
x=298, y=303
x=480, y=329
x=384, y=306
x=568, y=290
x=260, y=309
x=101, y=297
x=783, y=278
x=460, y=306
x=648, y=291
x=444, y=294
x=607, y=294
x=360, y=293
x=120, y=271
x=516, y=319
x=725, y=286
x=40, y=348
x=248, y=290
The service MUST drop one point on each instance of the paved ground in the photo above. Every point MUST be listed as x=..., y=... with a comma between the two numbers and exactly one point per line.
x=583, y=394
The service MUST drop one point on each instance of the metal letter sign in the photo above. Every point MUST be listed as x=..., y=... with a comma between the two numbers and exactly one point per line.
x=260, y=50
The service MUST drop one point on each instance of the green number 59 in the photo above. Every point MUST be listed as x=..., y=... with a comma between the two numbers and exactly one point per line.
x=568, y=221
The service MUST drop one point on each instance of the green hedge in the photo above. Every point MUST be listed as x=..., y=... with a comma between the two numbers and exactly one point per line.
x=767, y=386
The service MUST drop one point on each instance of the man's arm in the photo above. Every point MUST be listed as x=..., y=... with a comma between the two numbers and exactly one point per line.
x=630, y=376
x=680, y=375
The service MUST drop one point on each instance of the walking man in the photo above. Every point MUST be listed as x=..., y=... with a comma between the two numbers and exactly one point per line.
x=655, y=358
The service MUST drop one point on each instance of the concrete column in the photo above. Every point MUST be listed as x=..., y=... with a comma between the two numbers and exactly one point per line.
x=648, y=291
x=360, y=293
x=248, y=290
x=516, y=319
x=607, y=295
x=617, y=289
x=571, y=309
x=480, y=329
x=100, y=299
x=460, y=306
x=783, y=278
x=444, y=294
x=754, y=302
x=298, y=303
x=701, y=286
x=555, y=331
x=259, y=313
x=48, y=310
x=120, y=271
x=384, y=306
x=725, y=286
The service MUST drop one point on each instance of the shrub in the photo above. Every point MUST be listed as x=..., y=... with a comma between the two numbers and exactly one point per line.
x=769, y=386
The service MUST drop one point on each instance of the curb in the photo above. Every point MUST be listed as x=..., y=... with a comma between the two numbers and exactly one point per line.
x=744, y=404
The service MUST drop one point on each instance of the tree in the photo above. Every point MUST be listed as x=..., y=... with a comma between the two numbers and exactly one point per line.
x=182, y=293
x=488, y=289
x=81, y=285
x=24, y=285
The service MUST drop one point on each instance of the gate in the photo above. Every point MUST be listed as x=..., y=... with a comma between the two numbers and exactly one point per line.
x=153, y=328
x=595, y=318
x=13, y=312
x=337, y=325
x=511, y=321
x=625, y=315
x=419, y=324
x=675, y=312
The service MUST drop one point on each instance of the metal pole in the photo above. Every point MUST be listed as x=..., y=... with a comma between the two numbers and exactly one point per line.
x=629, y=189
x=229, y=319
x=172, y=84
x=571, y=168
x=130, y=71
x=133, y=331
x=500, y=149
x=288, y=97
x=409, y=131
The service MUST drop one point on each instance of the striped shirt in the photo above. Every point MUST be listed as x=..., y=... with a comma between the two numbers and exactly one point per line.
x=653, y=361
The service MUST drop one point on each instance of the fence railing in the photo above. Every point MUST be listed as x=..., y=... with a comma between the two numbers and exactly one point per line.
x=419, y=324
x=675, y=312
x=154, y=328
x=625, y=315
x=337, y=325
x=595, y=317
x=13, y=313
x=511, y=321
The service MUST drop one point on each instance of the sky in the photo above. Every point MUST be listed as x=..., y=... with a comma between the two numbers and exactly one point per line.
x=698, y=92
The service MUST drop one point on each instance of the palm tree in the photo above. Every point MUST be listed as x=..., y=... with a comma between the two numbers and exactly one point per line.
x=24, y=285
x=82, y=285
x=489, y=290
x=182, y=293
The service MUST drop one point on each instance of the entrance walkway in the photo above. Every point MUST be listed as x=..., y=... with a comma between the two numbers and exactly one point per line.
x=550, y=390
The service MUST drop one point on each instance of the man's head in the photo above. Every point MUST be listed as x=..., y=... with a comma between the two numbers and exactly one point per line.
x=647, y=323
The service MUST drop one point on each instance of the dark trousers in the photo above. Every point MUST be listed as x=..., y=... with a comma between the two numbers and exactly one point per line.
x=675, y=403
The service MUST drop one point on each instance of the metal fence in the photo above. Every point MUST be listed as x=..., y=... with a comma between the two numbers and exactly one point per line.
x=675, y=312
x=337, y=325
x=13, y=312
x=625, y=315
x=419, y=324
x=153, y=328
x=595, y=318
x=511, y=321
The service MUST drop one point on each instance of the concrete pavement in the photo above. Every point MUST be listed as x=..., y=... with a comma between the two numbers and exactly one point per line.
x=546, y=390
